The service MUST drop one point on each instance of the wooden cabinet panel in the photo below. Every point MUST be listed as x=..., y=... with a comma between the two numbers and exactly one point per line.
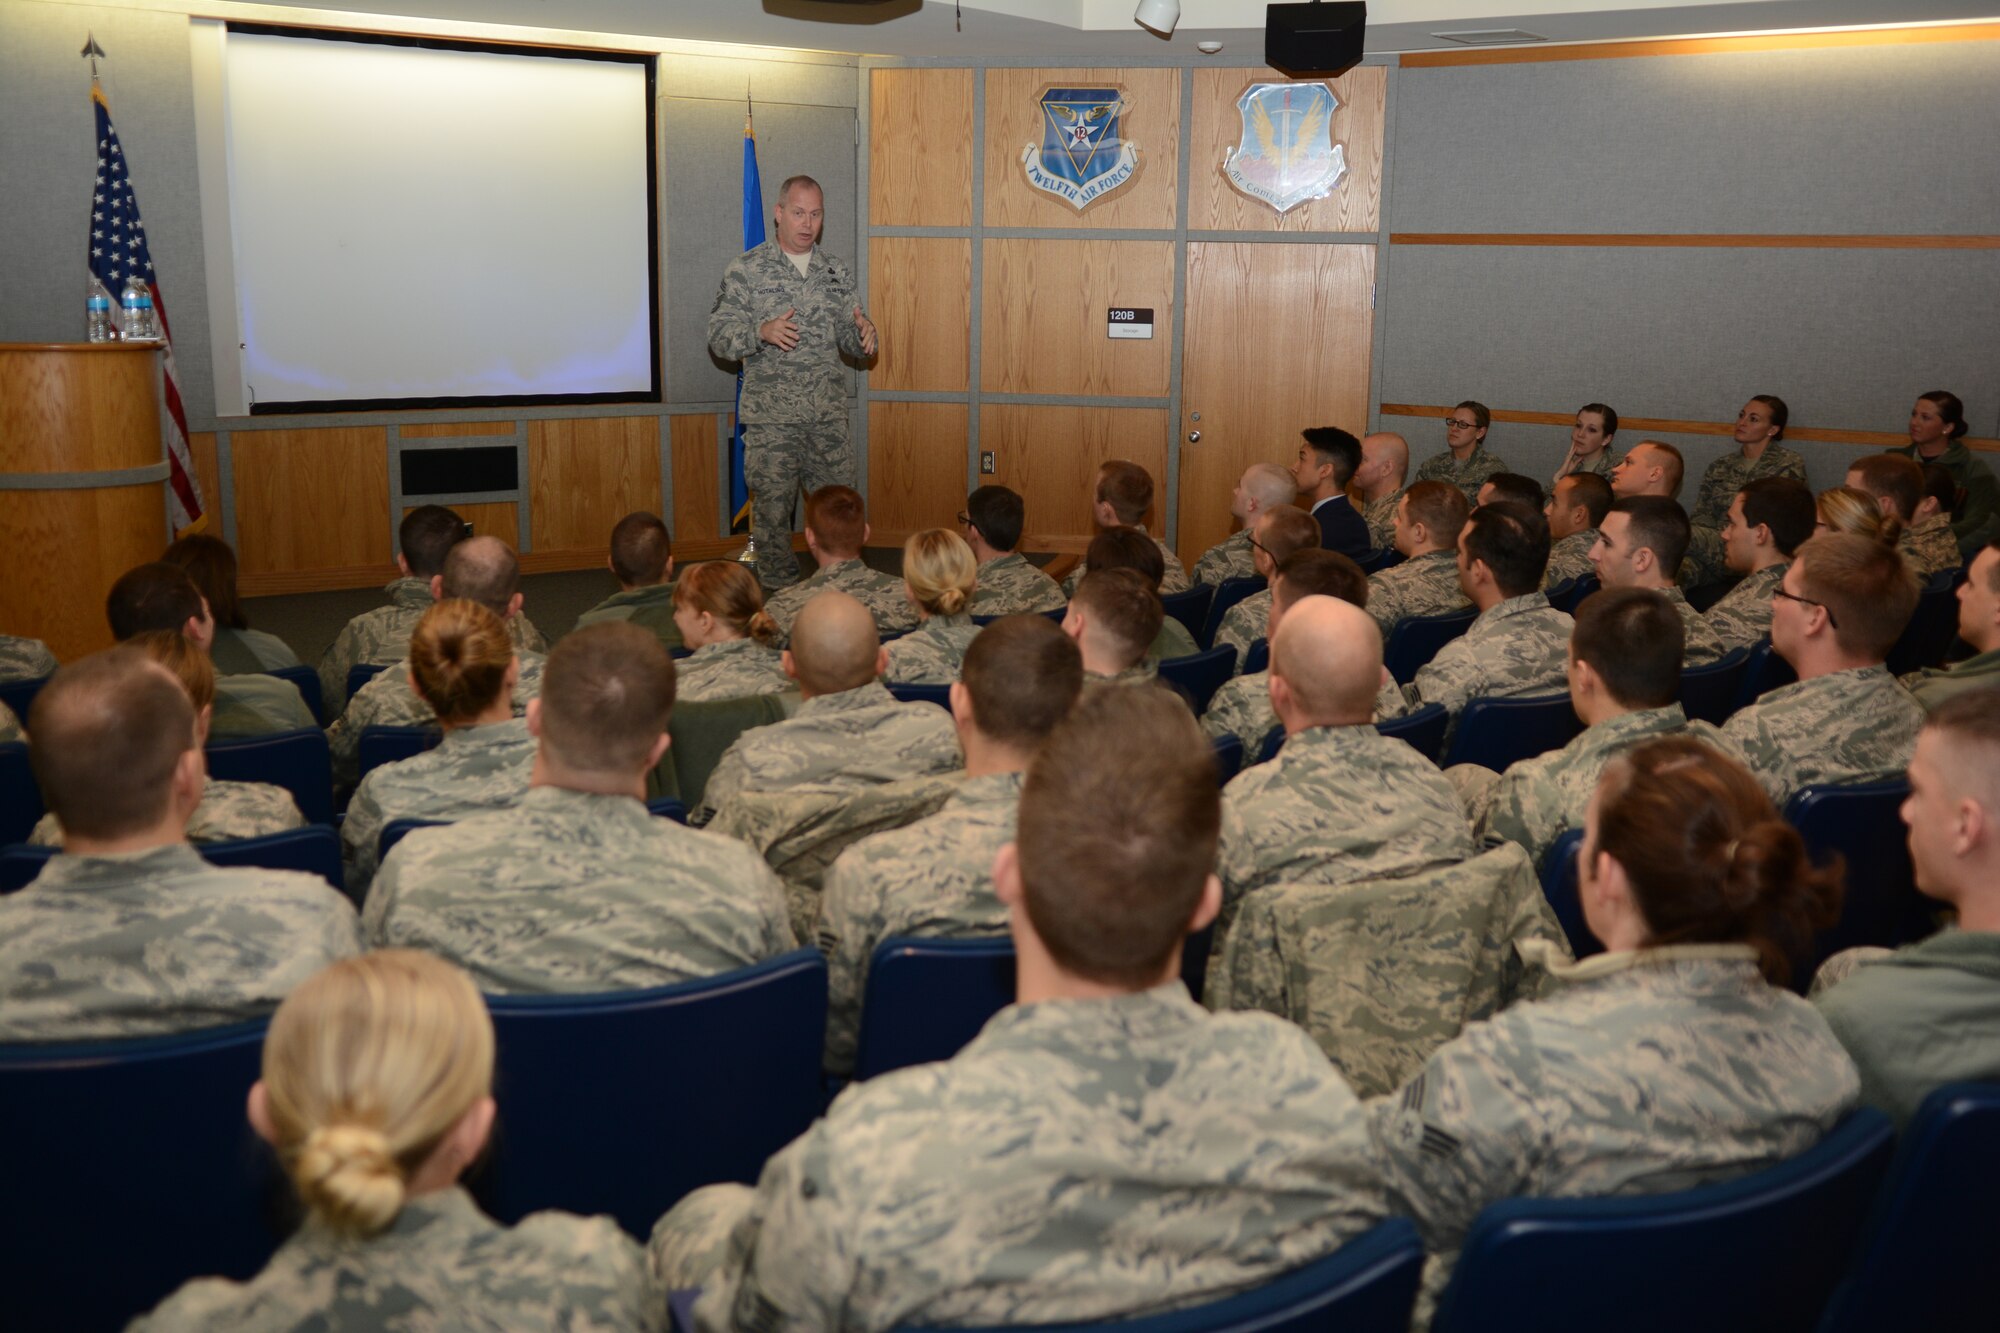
x=920, y=148
x=916, y=465
x=586, y=474
x=691, y=440
x=500, y=519
x=1042, y=326
x=1152, y=125
x=315, y=499
x=455, y=430
x=1051, y=456
x=1355, y=204
x=920, y=297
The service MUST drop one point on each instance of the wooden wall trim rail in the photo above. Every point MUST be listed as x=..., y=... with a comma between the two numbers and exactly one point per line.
x=1696, y=240
x=1631, y=427
x=1703, y=46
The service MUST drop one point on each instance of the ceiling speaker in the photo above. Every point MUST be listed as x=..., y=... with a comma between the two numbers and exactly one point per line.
x=1316, y=41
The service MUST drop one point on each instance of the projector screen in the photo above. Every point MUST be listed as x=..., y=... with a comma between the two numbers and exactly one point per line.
x=431, y=224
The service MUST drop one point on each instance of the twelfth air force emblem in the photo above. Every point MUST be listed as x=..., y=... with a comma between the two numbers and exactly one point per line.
x=1287, y=154
x=1084, y=154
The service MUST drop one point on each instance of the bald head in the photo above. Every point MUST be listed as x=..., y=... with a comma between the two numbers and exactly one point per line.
x=835, y=645
x=1385, y=463
x=1268, y=485
x=1327, y=657
x=483, y=570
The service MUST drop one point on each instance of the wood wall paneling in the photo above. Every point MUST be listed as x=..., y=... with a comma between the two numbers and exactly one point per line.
x=916, y=465
x=920, y=297
x=1354, y=205
x=691, y=440
x=1152, y=125
x=586, y=474
x=920, y=148
x=1043, y=320
x=1703, y=46
x=500, y=519
x=312, y=499
x=1051, y=456
x=1278, y=340
x=451, y=430
x=56, y=585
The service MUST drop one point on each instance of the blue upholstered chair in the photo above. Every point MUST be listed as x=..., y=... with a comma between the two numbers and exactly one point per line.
x=1709, y=692
x=1881, y=905
x=1415, y=640
x=1226, y=594
x=1933, y=625
x=306, y=681
x=1228, y=757
x=314, y=849
x=1764, y=672
x=19, y=695
x=1559, y=886
x=921, y=694
x=20, y=797
x=1495, y=733
x=360, y=675
x=394, y=831
x=1258, y=658
x=298, y=761
x=666, y=807
x=1424, y=728
x=1569, y=594
x=1388, y=557
x=391, y=745
x=1757, y=1254
x=1200, y=676
x=621, y=1103
x=1190, y=607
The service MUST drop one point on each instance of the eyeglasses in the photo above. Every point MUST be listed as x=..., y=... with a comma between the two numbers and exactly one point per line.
x=1453, y=423
x=1259, y=545
x=965, y=518
x=1807, y=601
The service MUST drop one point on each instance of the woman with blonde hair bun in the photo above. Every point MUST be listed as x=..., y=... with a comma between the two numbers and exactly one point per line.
x=462, y=664
x=719, y=610
x=940, y=574
x=377, y=1095
x=228, y=810
x=1851, y=509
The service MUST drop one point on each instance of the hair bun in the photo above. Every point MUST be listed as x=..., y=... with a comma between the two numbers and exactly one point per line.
x=952, y=601
x=346, y=1174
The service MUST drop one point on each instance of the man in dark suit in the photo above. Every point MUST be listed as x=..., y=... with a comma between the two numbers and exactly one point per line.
x=1327, y=459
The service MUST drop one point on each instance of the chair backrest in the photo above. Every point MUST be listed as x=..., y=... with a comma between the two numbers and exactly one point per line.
x=1495, y=733
x=1258, y=658
x=1275, y=742
x=666, y=807
x=1228, y=757
x=921, y=694
x=360, y=675
x=1424, y=728
x=1201, y=675
x=1881, y=905
x=298, y=761
x=134, y=1171
x=1225, y=595
x=1190, y=607
x=701, y=731
x=1923, y=1261
x=393, y=833
x=20, y=864
x=1933, y=625
x=306, y=680
x=1569, y=594
x=1708, y=693
x=20, y=797
x=19, y=695
x=622, y=1103
x=1559, y=886
x=1764, y=672
x=1761, y=1252
x=392, y=745
x=1366, y=1286
x=1415, y=640
x=314, y=849
x=1388, y=557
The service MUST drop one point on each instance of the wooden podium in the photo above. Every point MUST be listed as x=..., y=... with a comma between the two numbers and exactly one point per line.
x=81, y=477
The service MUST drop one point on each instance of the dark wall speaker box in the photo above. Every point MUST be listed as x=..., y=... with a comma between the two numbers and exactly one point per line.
x=482, y=467
x=1315, y=41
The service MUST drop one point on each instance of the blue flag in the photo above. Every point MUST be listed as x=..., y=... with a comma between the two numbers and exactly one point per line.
x=753, y=236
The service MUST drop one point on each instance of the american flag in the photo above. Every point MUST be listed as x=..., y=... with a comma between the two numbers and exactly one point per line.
x=118, y=250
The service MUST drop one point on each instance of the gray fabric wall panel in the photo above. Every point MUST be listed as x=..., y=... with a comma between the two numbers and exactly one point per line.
x=1886, y=139
x=47, y=151
x=1847, y=337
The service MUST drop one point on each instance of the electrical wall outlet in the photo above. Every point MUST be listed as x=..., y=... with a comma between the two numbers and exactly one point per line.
x=986, y=467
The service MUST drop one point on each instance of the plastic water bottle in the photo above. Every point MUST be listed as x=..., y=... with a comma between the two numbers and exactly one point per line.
x=98, y=325
x=137, y=323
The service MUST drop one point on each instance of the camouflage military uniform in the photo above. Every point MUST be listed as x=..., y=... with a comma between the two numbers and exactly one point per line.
x=933, y=878
x=257, y=705
x=228, y=811
x=159, y=941
x=1173, y=641
x=247, y=651
x=932, y=653
x=1176, y=579
x=10, y=726
x=1978, y=520
x=572, y=892
x=1743, y=615
x=651, y=608
x=472, y=770
x=1569, y=558
x=1599, y=465
x=1929, y=547
x=382, y=638
x=885, y=597
x=1424, y=586
x=1719, y=484
x=1145, y=672
x=1845, y=727
x=25, y=659
x=1011, y=585
x=1231, y=558
x=389, y=701
x=859, y=737
x=1079, y=1160
x=732, y=669
x=1703, y=643
x=1536, y=800
x=1630, y=1079
x=1242, y=708
x=441, y=1264
x=1478, y=469
x=1933, y=685
x=1338, y=804
x=1245, y=623
x=1519, y=646
x=1380, y=516
x=794, y=404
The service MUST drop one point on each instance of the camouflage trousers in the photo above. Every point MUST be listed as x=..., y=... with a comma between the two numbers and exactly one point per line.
x=691, y=1242
x=778, y=460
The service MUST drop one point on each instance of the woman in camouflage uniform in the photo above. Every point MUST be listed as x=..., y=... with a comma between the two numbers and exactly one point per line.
x=1850, y=509
x=939, y=576
x=719, y=609
x=376, y=1095
x=1590, y=442
x=238, y=649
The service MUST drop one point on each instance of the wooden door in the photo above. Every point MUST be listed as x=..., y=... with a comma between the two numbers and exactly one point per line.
x=1277, y=340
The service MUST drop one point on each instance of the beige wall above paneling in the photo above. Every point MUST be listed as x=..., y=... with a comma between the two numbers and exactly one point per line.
x=1042, y=326
x=692, y=442
x=916, y=465
x=311, y=499
x=1051, y=455
x=585, y=475
x=920, y=296
x=920, y=148
x=1152, y=125
x=1354, y=205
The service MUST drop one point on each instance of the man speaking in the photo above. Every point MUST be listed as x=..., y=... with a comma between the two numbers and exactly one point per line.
x=786, y=310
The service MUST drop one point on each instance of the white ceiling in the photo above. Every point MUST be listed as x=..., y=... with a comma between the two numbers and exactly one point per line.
x=1103, y=29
